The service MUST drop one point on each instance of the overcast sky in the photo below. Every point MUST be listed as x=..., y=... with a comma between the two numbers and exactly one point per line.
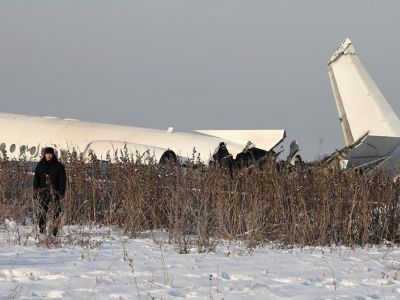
x=206, y=64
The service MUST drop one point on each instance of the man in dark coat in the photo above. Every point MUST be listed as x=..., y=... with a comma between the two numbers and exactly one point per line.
x=224, y=158
x=49, y=187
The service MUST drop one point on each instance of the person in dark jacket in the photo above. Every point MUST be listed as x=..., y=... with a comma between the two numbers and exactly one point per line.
x=223, y=158
x=49, y=187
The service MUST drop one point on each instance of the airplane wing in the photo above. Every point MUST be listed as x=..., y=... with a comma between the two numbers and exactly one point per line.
x=263, y=139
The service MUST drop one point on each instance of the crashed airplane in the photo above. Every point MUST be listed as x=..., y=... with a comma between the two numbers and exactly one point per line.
x=370, y=127
x=29, y=135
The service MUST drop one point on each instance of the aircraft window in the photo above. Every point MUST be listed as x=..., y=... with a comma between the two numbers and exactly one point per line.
x=2, y=147
x=12, y=148
x=22, y=149
x=32, y=151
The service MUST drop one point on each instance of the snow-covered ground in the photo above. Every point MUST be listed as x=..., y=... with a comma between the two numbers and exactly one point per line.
x=105, y=264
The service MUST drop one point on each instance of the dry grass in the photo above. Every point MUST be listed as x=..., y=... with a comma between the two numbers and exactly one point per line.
x=200, y=205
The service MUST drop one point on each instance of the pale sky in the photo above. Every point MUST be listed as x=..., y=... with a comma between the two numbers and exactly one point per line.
x=206, y=64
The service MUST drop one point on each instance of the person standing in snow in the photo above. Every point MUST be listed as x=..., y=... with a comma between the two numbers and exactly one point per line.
x=49, y=187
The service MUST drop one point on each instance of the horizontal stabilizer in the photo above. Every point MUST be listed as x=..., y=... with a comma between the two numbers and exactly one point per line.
x=263, y=139
x=342, y=154
x=373, y=148
x=375, y=164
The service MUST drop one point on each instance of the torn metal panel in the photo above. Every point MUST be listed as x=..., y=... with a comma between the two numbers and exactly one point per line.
x=263, y=139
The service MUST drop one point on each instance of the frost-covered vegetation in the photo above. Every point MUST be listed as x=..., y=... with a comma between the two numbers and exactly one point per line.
x=200, y=205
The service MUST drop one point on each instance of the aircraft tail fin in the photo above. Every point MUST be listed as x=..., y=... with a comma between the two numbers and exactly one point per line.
x=361, y=105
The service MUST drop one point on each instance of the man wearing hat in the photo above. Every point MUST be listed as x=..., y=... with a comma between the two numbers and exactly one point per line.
x=49, y=187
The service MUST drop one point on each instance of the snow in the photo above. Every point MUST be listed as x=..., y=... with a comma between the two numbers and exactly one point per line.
x=103, y=263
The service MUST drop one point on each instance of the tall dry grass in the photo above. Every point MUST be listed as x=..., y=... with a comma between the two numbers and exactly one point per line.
x=200, y=205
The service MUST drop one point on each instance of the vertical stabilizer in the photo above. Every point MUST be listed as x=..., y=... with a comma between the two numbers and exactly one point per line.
x=361, y=105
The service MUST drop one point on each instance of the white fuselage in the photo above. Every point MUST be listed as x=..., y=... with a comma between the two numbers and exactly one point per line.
x=28, y=135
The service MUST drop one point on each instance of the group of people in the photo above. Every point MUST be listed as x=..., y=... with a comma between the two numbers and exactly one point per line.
x=252, y=155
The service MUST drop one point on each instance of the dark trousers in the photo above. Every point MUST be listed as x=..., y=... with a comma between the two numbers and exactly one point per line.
x=46, y=202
